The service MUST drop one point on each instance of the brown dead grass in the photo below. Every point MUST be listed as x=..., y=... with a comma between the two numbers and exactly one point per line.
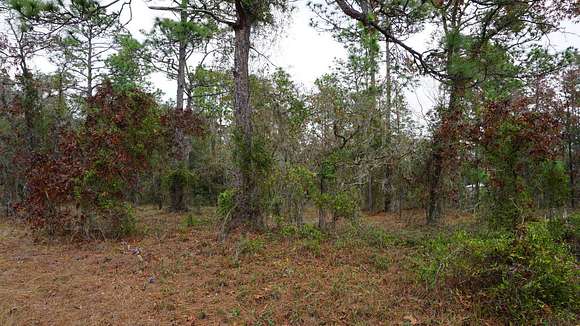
x=173, y=275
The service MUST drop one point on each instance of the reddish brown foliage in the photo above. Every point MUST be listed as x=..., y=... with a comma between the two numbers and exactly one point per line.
x=538, y=133
x=91, y=169
x=51, y=179
x=178, y=126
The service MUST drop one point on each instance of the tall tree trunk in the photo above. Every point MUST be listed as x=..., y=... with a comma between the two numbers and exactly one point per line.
x=441, y=137
x=442, y=147
x=29, y=106
x=247, y=208
x=177, y=194
x=89, y=90
x=373, y=107
x=397, y=172
x=181, y=60
x=177, y=185
x=387, y=183
x=321, y=210
x=157, y=192
x=372, y=91
x=570, y=151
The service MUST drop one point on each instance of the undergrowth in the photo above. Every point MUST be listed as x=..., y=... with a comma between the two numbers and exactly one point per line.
x=528, y=276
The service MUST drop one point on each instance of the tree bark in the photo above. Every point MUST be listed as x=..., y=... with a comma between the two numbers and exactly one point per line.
x=247, y=209
x=158, y=192
x=176, y=187
x=177, y=195
x=89, y=90
x=442, y=139
x=570, y=144
x=387, y=184
x=29, y=106
x=442, y=147
x=182, y=57
x=321, y=210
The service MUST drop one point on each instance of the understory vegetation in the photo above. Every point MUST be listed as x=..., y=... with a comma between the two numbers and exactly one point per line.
x=247, y=197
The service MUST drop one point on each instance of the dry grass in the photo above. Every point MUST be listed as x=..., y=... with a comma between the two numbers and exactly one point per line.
x=173, y=275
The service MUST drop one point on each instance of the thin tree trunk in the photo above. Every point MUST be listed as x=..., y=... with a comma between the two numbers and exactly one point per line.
x=29, y=106
x=372, y=92
x=89, y=90
x=373, y=108
x=182, y=57
x=387, y=184
x=321, y=210
x=158, y=192
x=177, y=195
x=571, y=165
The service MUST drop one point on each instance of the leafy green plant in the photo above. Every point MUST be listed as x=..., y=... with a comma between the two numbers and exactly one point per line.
x=180, y=175
x=128, y=222
x=552, y=183
x=375, y=237
x=194, y=221
x=311, y=245
x=310, y=232
x=529, y=276
x=519, y=146
x=250, y=246
x=305, y=231
x=226, y=202
x=381, y=262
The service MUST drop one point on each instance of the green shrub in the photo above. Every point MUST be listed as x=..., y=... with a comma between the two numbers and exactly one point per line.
x=179, y=175
x=375, y=237
x=305, y=231
x=128, y=222
x=566, y=230
x=226, y=202
x=547, y=275
x=312, y=246
x=528, y=276
x=310, y=232
x=250, y=246
x=288, y=230
x=381, y=262
x=193, y=221
x=345, y=205
x=552, y=183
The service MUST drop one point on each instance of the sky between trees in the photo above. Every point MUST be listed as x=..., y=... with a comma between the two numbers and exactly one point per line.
x=307, y=53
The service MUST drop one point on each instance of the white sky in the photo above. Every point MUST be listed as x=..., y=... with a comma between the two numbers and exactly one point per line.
x=303, y=52
x=307, y=54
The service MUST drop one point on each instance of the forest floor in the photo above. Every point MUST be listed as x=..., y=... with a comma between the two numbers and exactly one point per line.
x=173, y=274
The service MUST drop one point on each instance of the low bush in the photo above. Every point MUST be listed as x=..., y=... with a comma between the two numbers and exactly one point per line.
x=375, y=237
x=381, y=262
x=226, y=202
x=81, y=187
x=312, y=246
x=527, y=276
x=305, y=231
x=250, y=246
x=567, y=230
x=193, y=221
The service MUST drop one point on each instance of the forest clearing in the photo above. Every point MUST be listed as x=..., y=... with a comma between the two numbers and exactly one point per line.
x=173, y=273
x=289, y=162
